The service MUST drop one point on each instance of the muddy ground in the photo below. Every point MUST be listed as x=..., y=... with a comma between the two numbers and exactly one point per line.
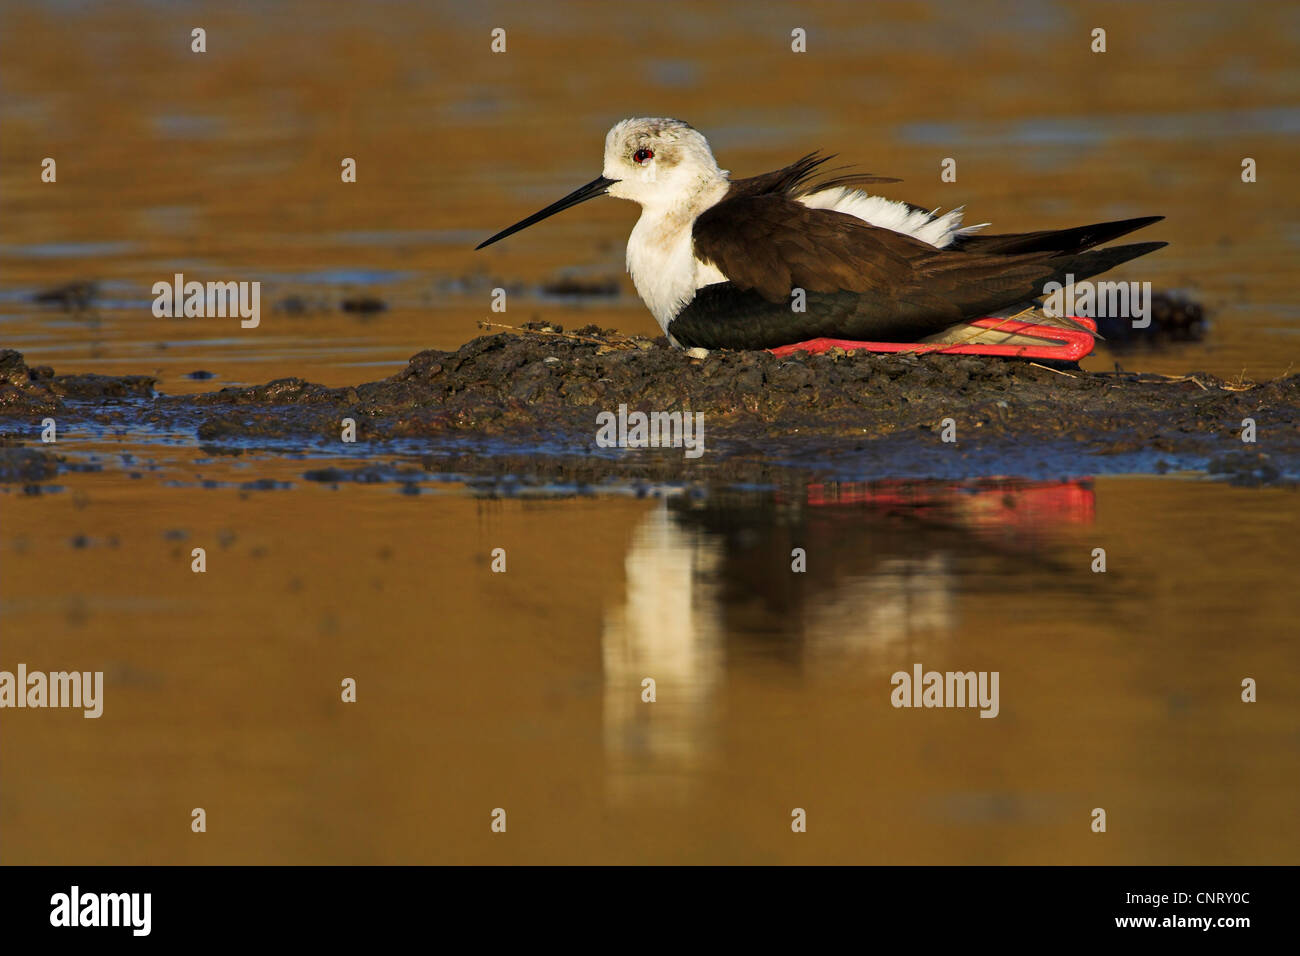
x=525, y=402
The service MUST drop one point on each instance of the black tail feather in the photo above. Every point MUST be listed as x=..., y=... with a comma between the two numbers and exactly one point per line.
x=1075, y=239
x=1084, y=264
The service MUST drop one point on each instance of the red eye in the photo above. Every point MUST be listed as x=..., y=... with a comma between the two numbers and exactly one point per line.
x=643, y=155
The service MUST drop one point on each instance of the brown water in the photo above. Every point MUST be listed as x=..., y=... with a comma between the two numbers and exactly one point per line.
x=522, y=690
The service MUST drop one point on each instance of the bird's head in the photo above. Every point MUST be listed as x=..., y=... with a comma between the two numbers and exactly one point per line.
x=657, y=162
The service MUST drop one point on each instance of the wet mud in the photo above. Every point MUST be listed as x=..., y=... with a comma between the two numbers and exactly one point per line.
x=525, y=402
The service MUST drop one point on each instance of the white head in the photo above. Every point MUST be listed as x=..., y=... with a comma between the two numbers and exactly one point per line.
x=657, y=162
x=663, y=164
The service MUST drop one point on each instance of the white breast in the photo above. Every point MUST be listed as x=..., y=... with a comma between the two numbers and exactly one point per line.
x=664, y=269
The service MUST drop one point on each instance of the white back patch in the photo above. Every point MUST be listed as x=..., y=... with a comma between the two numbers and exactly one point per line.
x=938, y=231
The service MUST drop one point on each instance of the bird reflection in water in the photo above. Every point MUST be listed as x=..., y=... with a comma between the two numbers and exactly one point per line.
x=711, y=580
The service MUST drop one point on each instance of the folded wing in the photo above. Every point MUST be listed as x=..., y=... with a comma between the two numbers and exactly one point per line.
x=864, y=282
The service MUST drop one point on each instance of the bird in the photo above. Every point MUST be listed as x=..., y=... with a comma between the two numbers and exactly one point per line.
x=794, y=255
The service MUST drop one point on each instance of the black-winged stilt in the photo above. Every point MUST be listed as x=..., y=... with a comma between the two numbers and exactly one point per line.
x=784, y=257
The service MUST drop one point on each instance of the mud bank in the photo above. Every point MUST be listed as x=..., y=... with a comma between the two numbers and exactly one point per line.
x=32, y=391
x=542, y=390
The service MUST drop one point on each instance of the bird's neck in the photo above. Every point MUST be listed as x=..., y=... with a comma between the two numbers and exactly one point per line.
x=661, y=254
x=684, y=206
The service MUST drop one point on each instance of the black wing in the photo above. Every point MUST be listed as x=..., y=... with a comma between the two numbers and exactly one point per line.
x=860, y=281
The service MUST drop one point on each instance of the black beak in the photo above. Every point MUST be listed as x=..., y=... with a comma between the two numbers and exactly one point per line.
x=597, y=187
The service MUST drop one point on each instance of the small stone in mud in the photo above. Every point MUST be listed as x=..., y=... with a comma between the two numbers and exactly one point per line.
x=364, y=304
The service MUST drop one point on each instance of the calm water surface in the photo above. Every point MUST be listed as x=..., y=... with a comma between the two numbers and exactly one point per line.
x=523, y=690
